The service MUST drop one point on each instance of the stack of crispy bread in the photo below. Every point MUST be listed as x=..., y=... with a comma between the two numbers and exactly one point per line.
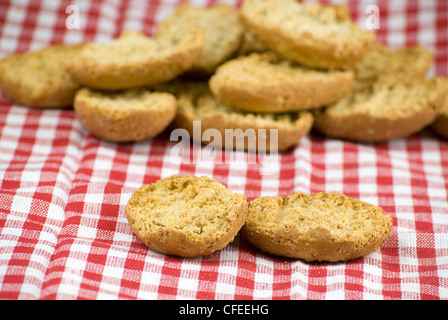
x=271, y=64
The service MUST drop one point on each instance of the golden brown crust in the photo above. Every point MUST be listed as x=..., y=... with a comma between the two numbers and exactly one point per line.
x=440, y=124
x=311, y=34
x=222, y=27
x=239, y=130
x=318, y=227
x=131, y=115
x=135, y=60
x=263, y=82
x=38, y=79
x=383, y=112
x=186, y=216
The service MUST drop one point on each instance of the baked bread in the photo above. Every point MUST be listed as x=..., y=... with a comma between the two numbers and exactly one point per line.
x=264, y=82
x=129, y=115
x=186, y=216
x=440, y=124
x=38, y=78
x=411, y=62
x=238, y=129
x=314, y=35
x=251, y=43
x=135, y=60
x=222, y=27
x=384, y=111
x=317, y=227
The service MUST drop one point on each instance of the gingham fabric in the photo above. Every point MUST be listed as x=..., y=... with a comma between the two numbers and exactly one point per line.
x=63, y=229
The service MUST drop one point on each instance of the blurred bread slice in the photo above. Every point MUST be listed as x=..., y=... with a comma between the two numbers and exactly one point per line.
x=391, y=97
x=248, y=131
x=264, y=82
x=38, y=78
x=250, y=43
x=440, y=124
x=186, y=216
x=403, y=64
x=221, y=26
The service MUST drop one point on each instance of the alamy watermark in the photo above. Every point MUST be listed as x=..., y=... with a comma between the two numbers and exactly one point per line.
x=260, y=151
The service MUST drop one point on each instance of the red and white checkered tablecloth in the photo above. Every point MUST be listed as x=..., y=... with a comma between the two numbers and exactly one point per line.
x=63, y=230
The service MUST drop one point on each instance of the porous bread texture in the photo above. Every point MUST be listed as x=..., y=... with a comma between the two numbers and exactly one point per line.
x=391, y=97
x=249, y=131
x=129, y=115
x=251, y=43
x=318, y=227
x=264, y=82
x=387, y=110
x=38, y=78
x=222, y=28
x=440, y=124
x=186, y=216
x=403, y=64
x=314, y=35
x=135, y=60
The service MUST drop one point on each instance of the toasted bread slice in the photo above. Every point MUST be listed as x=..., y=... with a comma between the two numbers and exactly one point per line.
x=264, y=82
x=251, y=43
x=135, y=60
x=186, y=216
x=391, y=97
x=38, y=78
x=403, y=64
x=317, y=227
x=314, y=35
x=238, y=129
x=440, y=124
x=222, y=27
x=129, y=115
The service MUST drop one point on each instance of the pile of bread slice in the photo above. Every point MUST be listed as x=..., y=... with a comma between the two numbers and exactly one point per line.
x=270, y=64
x=192, y=216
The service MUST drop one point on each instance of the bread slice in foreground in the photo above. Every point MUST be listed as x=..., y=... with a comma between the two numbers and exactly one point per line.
x=387, y=110
x=38, y=78
x=264, y=82
x=223, y=31
x=440, y=124
x=251, y=43
x=239, y=130
x=135, y=60
x=124, y=116
x=314, y=35
x=317, y=227
x=186, y=216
